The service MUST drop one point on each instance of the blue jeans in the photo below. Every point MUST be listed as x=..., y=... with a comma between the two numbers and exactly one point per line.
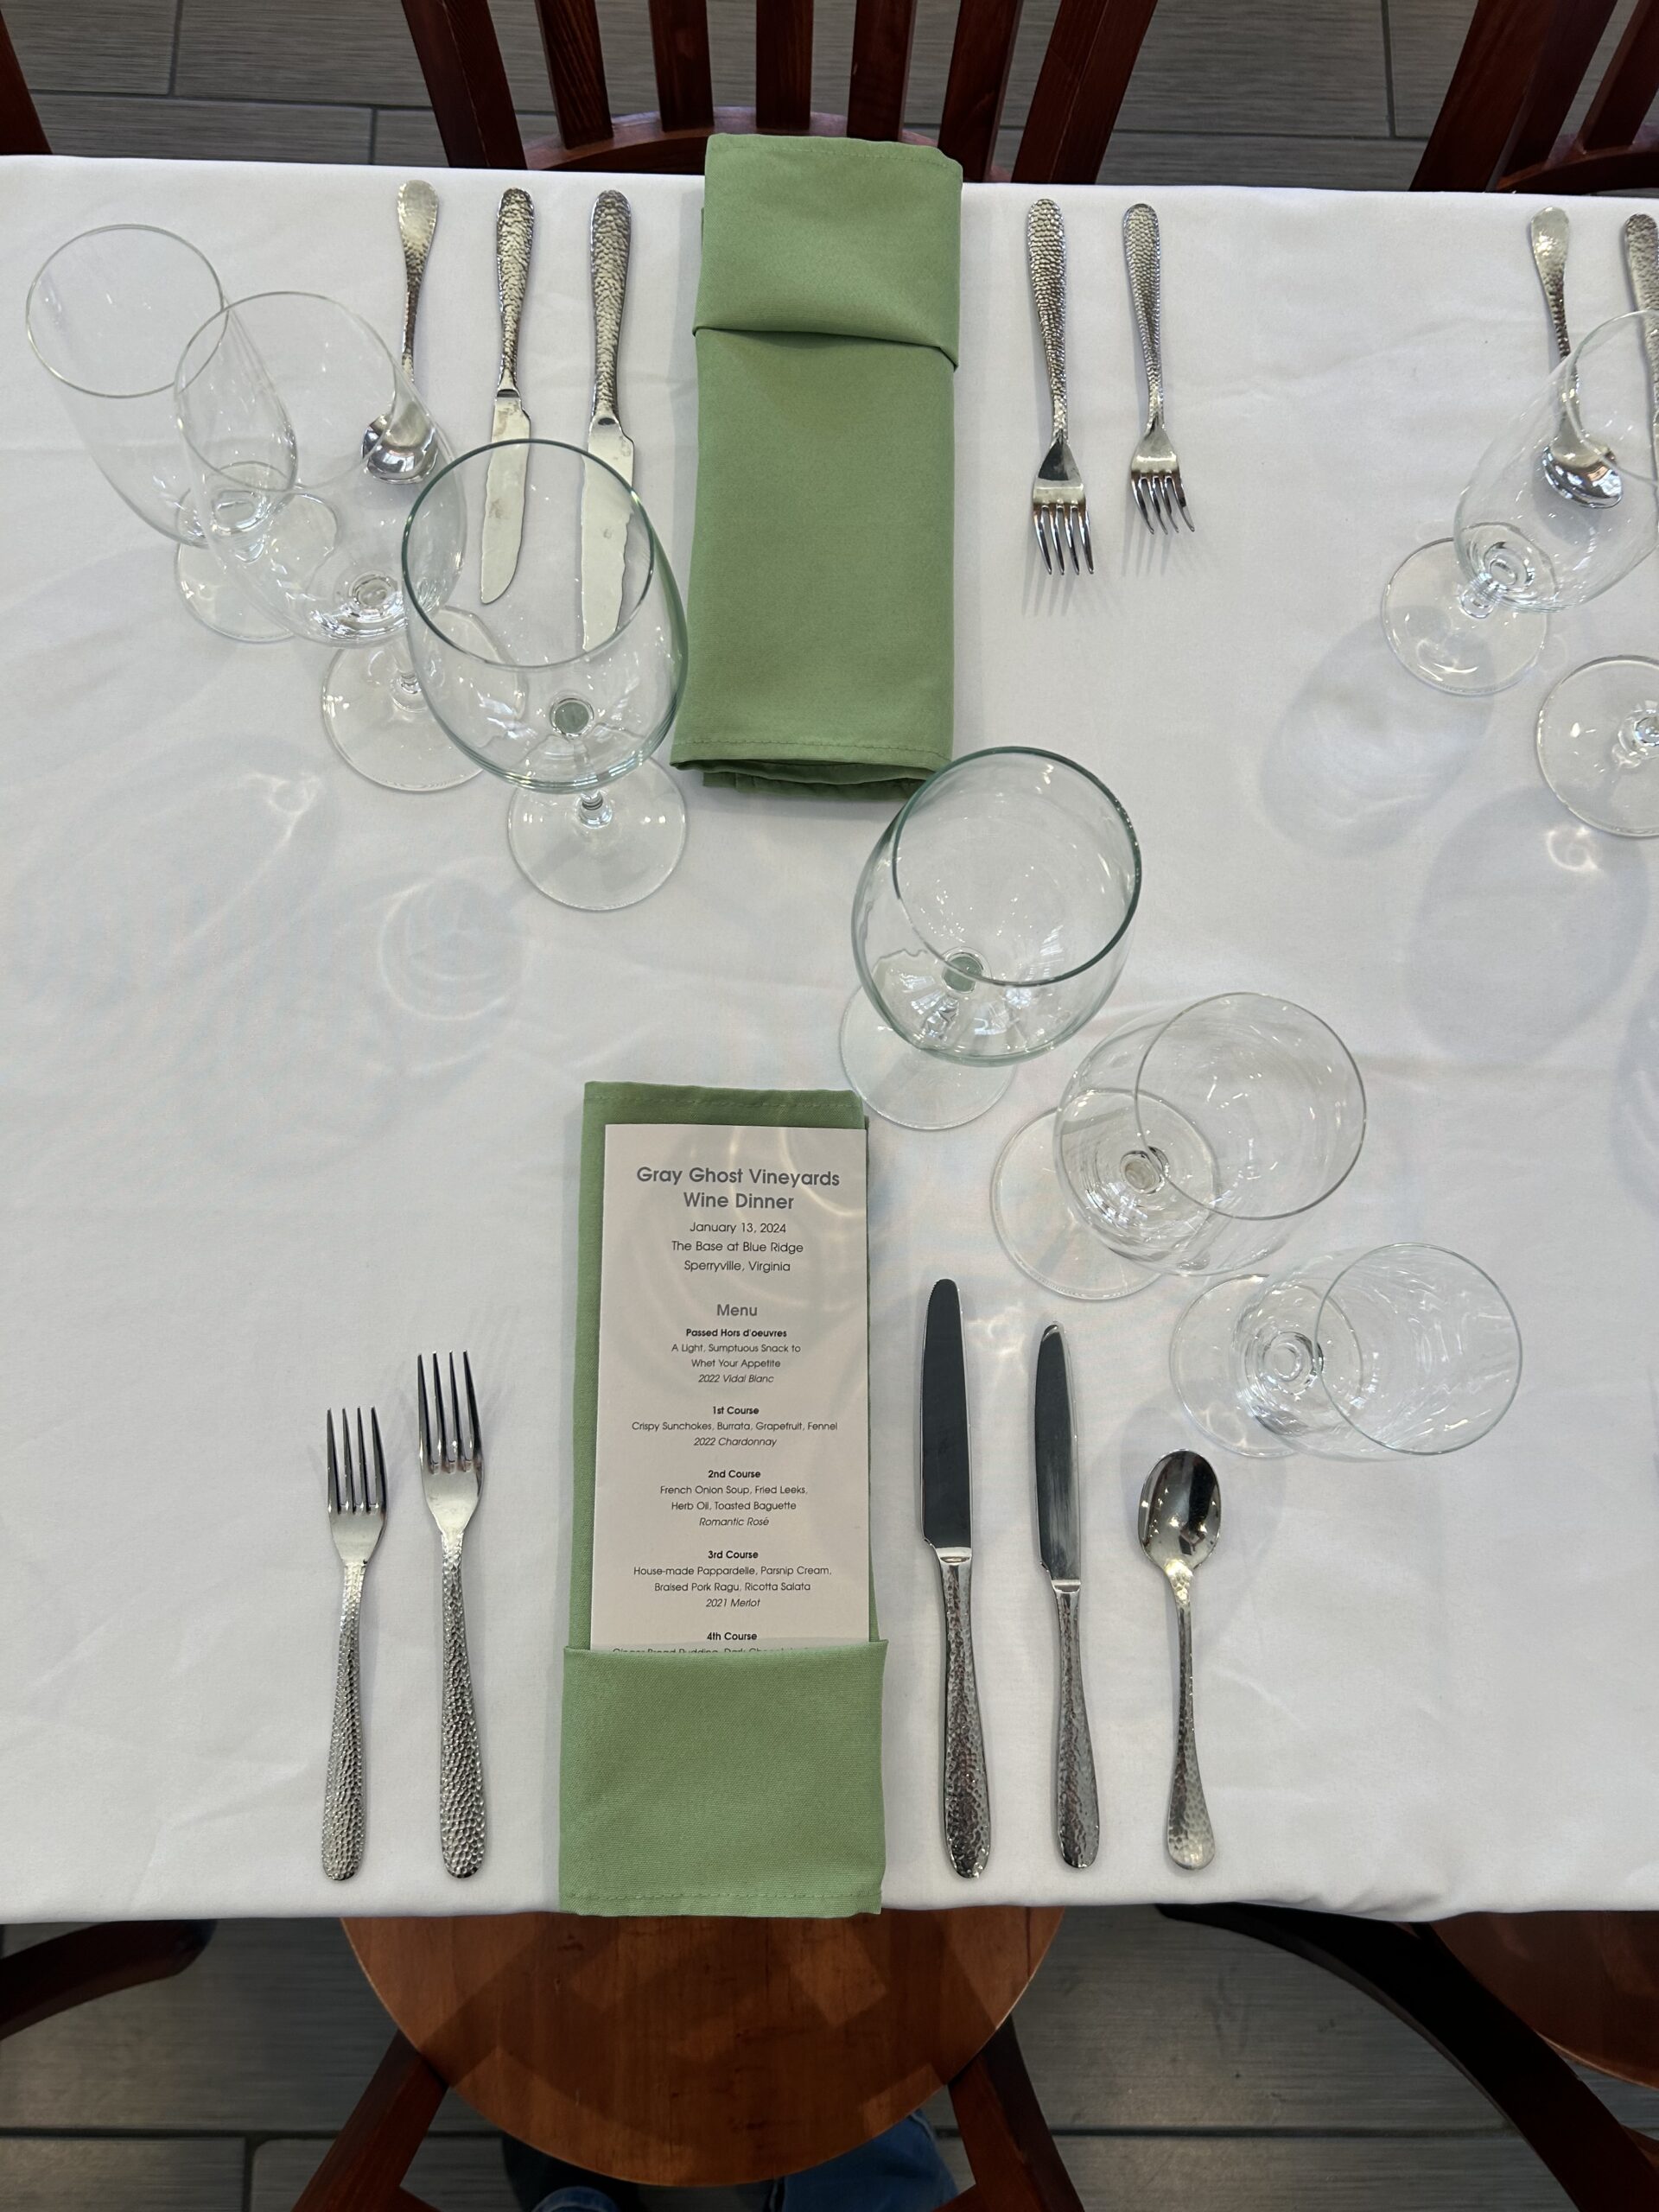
x=900, y=2171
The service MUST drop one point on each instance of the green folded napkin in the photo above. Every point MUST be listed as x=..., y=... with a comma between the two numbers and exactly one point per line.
x=730, y=1782
x=820, y=598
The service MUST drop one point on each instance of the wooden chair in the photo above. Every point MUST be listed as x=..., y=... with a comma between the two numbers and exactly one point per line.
x=701, y=2052
x=1503, y=125
x=1503, y=1997
x=1092, y=51
x=20, y=127
x=89, y=1962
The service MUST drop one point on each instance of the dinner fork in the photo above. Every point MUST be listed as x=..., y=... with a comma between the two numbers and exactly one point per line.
x=450, y=1471
x=357, y=1513
x=1154, y=472
x=1058, y=503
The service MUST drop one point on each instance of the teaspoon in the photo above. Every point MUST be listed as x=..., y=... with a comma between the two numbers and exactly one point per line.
x=1574, y=466
x=1181, y=1520
x=403, y=451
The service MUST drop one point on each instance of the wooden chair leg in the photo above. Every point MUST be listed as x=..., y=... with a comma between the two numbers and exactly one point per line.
x=69, y=1970
x=367, y=2160
x=1016, y=2165
x=1600, y=2163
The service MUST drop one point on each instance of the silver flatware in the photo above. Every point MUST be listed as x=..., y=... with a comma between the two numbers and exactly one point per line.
x=504, y=486
x=1059, y=505
x=452, y=1467
x=1574, y=464
x=405, y=451
x=1077, y=1807
x=357, y=1513
x=1548, y=232
x=947, y=1523
x=604, y=510
x=1642, y=262
x=1155, y=471
x=1181, y=1520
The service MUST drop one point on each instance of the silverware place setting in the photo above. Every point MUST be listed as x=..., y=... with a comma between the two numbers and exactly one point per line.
x=1059, y=505
x=1154, y=470
x=357, y=1513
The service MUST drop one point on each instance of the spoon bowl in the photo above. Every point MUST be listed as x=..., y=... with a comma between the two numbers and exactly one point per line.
x=1180, y=1512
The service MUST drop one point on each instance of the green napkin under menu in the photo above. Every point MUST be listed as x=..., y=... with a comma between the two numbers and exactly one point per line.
x=727, y=1783
x=820, y=602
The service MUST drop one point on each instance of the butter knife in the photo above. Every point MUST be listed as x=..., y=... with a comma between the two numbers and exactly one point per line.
x=504, y=486
x=1077, y=1807
x=947, y=1523
x=604, y=510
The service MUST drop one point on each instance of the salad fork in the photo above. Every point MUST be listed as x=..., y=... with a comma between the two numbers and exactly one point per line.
x=1059, y=505
x=1155, y=471
x=357, y=1513
x=450, y=1471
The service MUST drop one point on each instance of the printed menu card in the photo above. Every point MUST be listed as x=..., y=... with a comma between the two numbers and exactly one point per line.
x=731, y=1501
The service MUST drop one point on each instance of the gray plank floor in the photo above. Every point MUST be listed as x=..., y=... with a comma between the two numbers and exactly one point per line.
x=1179, y=2066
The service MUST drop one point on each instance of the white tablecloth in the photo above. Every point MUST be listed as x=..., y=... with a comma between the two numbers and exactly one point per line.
x=290, y=1071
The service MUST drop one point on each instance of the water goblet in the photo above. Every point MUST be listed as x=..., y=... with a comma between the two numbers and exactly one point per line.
x=990, y=922
x=1403, y=1349
x=571, y=720
x=108, y=316
x=1563, y=503
x=272, y=394
x=1185, y=1144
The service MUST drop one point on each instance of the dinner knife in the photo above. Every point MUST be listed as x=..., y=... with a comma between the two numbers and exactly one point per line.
x=604, y=510
x=947, y=1523
x=1076, y=1808
x=504, y=486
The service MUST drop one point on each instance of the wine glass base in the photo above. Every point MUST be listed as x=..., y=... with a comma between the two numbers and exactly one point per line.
x=221, y=606
x=1440, y=642
x=903, y=1085
x=599, y=861
x=378, y=722
x=1204, y=1368
x=1042, y=1236
x=1599, y=745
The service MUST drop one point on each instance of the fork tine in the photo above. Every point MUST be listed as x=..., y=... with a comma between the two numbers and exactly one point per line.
x=333, y=1468
x=363, y=1463
x=455, y=1406
x=348, y=1496
x=1088, y=542
x=1042, y=541
x=1066, y=512
x=437, y=1395
x=1166, y=521
x=1139, y=491
x=1181, y=496
x=472, y=1412
x=378, y=1494
x=425, y=1418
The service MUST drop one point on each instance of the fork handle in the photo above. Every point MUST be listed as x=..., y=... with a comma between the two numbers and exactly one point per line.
x=1045, y=254
x=461, y=1765
x=342, y=1803
x=1143, y=253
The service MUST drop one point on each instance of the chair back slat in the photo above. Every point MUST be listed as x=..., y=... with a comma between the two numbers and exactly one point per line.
x=882, y=31
x=978, y=84
x=1627, y=91
x=1091, y=56
x=460, y=59
x=20, y=126
x=1477, y=121
x=679, y=46
x=575, y=70
x=783, y=65
x=1564, y=59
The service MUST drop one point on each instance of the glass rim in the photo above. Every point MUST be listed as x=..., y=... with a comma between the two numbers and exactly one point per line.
x=1265, y=998
x=1444, y=1252
x=99, y=231
x=1564, y=375
x=893, y=834
x=495, y=660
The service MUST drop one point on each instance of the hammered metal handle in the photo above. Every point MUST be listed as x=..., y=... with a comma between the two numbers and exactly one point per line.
x=967, y=1792
x=417, y=219
x=342, y=1803
x=1642, y=260
x=460, y=1770
x=611, y=234
x=1548, y=231
x=1189, y=1838
x=514, y=224
x=1046, y=255
x=1077, y=1807
x=1144, y=254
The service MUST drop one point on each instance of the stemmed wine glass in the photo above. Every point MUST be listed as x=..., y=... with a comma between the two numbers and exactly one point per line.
x=1184, y=1145
x=1561, y=505
x=274, y=397
x=1405, y=1347
x=108, y=317
x=991, y=921
x=1598, y=744
x=569, y=715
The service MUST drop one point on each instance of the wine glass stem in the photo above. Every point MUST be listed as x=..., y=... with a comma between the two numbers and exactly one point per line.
x=594, y=811
x=1637, y=742
x=1482, y=596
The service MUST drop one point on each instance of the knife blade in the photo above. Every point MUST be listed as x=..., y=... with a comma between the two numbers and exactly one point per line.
x=504, y=486
x=947, y=1523
x=1077, y=1805
x=604, y=511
